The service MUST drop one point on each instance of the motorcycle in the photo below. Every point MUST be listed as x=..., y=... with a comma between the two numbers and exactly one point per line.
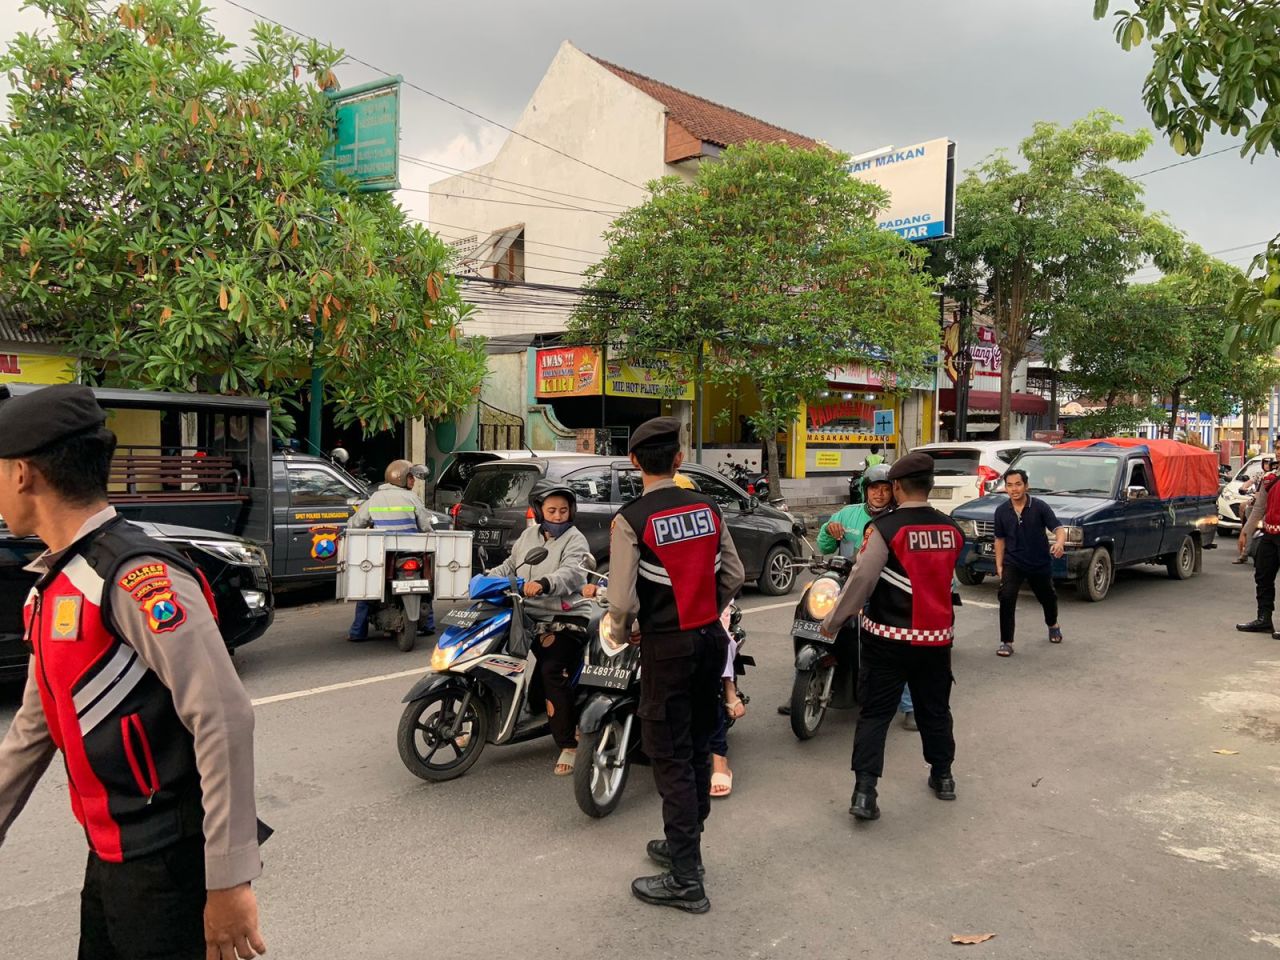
x=396, y=597
x=749, y=478
x=826, y=671
x=609, y=737
x=478, y=688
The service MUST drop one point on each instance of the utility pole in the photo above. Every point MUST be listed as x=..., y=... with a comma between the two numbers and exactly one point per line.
x=964, y=363
x=697, y=406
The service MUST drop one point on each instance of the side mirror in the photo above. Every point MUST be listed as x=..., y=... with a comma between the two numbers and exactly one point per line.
x=1135, y=493
x=751, y=503
x=420, y=471
x=339, y=455
x=354, y=501
x=534, y=556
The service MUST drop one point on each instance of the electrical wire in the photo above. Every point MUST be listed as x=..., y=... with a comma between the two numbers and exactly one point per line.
x=510, y=203
x=442, y=99
x=481, y=177
x=1180, y=163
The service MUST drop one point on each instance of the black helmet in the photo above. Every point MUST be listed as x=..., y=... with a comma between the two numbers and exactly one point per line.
x=552, y=488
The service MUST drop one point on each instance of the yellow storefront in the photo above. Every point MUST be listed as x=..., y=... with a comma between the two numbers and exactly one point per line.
x=17, y=366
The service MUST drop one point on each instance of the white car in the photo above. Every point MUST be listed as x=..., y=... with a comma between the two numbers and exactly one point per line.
x=1233, y=506
x=966, y=471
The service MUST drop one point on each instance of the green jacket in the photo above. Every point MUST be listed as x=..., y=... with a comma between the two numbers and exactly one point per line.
x=854, y=518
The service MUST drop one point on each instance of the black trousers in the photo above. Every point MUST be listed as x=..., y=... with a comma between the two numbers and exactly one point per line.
x=557, y=666
x=1266, y=563
x=679, y=709
x=151, y=908
x=1041, y=585
x=886, y=666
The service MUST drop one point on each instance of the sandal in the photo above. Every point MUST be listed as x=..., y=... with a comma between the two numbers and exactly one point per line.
x=722, y=782
x=1055, y=634
x=1004, y=650
x=564, y=763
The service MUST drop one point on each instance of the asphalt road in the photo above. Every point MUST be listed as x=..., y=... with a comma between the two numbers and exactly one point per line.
x=1094, y=820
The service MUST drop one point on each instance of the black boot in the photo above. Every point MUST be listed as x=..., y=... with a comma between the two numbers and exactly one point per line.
x=1261, y=625
x=863, y=806
x=667, y=890
x=660, y=854
x=943, y=784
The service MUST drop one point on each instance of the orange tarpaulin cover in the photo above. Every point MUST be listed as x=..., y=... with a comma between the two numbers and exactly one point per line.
x=1181, y=469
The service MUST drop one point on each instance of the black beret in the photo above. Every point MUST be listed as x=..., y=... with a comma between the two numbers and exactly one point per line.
x=918, y=464
x=655, y=432
x=35, y=420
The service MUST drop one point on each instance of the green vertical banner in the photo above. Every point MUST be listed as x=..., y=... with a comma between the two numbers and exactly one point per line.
x=367, y=133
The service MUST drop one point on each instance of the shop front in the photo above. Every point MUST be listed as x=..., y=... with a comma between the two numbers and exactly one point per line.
x=857, y=415
x=18, y=366
x=986, y=367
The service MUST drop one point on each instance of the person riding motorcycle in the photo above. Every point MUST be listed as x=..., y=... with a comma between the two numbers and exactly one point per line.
x=843, y=532
x=392, y=507
x=559, y=575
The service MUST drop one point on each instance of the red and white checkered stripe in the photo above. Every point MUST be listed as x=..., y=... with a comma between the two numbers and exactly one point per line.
x=907, y=633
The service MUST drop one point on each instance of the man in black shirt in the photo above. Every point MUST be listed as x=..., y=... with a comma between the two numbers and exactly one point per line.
x=1023, y=554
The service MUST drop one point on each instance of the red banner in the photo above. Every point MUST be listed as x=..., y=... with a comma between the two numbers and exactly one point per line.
x=568, y=372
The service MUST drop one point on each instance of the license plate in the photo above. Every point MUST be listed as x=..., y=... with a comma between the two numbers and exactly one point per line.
x=986, y=548
x=807, y=629
x=488, y=536
x=410, y=586
x=464, y=618
x=940, y=493
x=605, y=678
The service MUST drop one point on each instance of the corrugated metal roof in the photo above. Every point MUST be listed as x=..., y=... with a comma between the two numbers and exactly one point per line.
x=17, y=326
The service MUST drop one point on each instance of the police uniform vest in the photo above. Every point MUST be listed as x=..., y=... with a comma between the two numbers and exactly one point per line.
x=679, y=536
x=912, y=600
x=1271, y=519
x=130, y=760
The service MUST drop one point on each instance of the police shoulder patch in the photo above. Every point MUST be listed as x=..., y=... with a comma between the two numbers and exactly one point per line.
x=142, y=573
x=164, y=612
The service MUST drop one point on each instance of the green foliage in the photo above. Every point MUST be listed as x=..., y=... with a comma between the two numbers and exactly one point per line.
x=1216, y=66
x=772, y=258
x=1037, y=241
x=171, y=212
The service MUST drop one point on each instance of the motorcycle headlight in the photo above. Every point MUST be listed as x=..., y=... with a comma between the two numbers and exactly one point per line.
x=442, y=658
x=821, y=598
x=607, y=643
x=968, y=528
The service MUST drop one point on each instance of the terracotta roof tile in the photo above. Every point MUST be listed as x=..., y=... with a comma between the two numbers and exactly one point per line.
x=705, y=119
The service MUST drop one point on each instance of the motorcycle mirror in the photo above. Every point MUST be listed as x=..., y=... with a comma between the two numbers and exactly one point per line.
x=420, y=471
x=537, y=555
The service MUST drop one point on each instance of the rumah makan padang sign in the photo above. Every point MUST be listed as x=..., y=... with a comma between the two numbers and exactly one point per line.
x=921, y=183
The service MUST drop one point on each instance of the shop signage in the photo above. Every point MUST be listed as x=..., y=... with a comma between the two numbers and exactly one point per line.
x=988, y=361
x=575, y=372
x=367, y=133
x=857, y=375
x=921, y=183
x=826, y=458
x=36, y=368
x=884, y=423
x=822, y=414
x=567, y=372
x=865, y=439
x=1048, y=436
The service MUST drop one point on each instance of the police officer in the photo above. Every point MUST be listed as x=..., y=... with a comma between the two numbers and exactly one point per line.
x=392, y=507
x=1264, y=513
x=673, y=568
x=901, y=583
x=130, y=679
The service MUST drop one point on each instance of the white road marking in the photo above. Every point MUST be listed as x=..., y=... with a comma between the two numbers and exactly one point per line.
x=980, y=603
x=769, y=606
x=331, y=687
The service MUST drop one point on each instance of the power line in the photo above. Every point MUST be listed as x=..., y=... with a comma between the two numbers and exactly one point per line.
x=471, y=174
x=520, y=193
x=444, y=100
x=1170, y=166
x=477, y=231
x=511, y=203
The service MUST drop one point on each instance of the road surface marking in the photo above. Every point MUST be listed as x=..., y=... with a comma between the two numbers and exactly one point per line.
x=331, y=687
x=768, y=606
x=966, y=602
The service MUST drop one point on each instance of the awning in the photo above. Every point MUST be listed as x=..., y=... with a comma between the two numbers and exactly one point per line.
x=988, y=401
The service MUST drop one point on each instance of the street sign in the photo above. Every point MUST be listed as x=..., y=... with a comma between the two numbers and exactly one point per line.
x=367, y=133
x=884, y=423
x=921, y=183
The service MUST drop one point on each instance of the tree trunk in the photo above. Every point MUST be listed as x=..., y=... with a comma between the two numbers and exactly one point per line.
x=773, y=467
x=1006, y=398
x=1175, y=399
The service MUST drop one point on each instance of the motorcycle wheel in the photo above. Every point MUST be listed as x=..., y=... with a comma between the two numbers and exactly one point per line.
x=807, y=710
x=424, y=750
x=407, y=635
x=600, y=772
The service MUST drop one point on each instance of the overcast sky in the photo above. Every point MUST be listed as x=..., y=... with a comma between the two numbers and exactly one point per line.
x=856, y=74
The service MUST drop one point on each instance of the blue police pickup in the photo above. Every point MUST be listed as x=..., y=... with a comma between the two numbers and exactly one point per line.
x=1115, y=513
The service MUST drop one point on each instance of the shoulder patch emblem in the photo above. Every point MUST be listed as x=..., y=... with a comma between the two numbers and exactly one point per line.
x=146, y=571
x=164, y=612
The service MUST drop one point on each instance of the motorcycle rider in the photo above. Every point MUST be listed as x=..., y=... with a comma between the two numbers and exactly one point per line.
x=558, y=576
x=392, y=507
x=843, y=532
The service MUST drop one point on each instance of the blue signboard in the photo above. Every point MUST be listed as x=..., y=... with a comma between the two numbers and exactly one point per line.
x=884, y=424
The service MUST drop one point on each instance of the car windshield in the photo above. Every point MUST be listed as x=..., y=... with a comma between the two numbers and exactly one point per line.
x=1250, y=470
x=955, y=461
x=501, y=486
x=1085, y=476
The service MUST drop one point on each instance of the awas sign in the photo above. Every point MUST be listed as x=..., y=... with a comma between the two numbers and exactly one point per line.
x=921, y=183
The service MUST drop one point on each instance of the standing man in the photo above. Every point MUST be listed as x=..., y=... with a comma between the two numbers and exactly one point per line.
x=1023, y=554
x=130, y=679
x=673, y=568
x=1266, y=562
x=873, y=458
x=902, y=586
x=392, y=507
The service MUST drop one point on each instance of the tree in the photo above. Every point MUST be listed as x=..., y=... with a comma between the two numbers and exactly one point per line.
x=174, y=215
x=771, y=257
x=1032, y=242
x=1125, y=349
x=1215, y=66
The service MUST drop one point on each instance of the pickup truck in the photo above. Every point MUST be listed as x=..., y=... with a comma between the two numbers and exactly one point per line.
x=1123, y=501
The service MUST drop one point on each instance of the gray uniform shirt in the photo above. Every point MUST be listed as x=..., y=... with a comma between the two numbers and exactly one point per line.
x=562, y=569
x=1258, y=511
x=390, y=501
x=192, y=662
